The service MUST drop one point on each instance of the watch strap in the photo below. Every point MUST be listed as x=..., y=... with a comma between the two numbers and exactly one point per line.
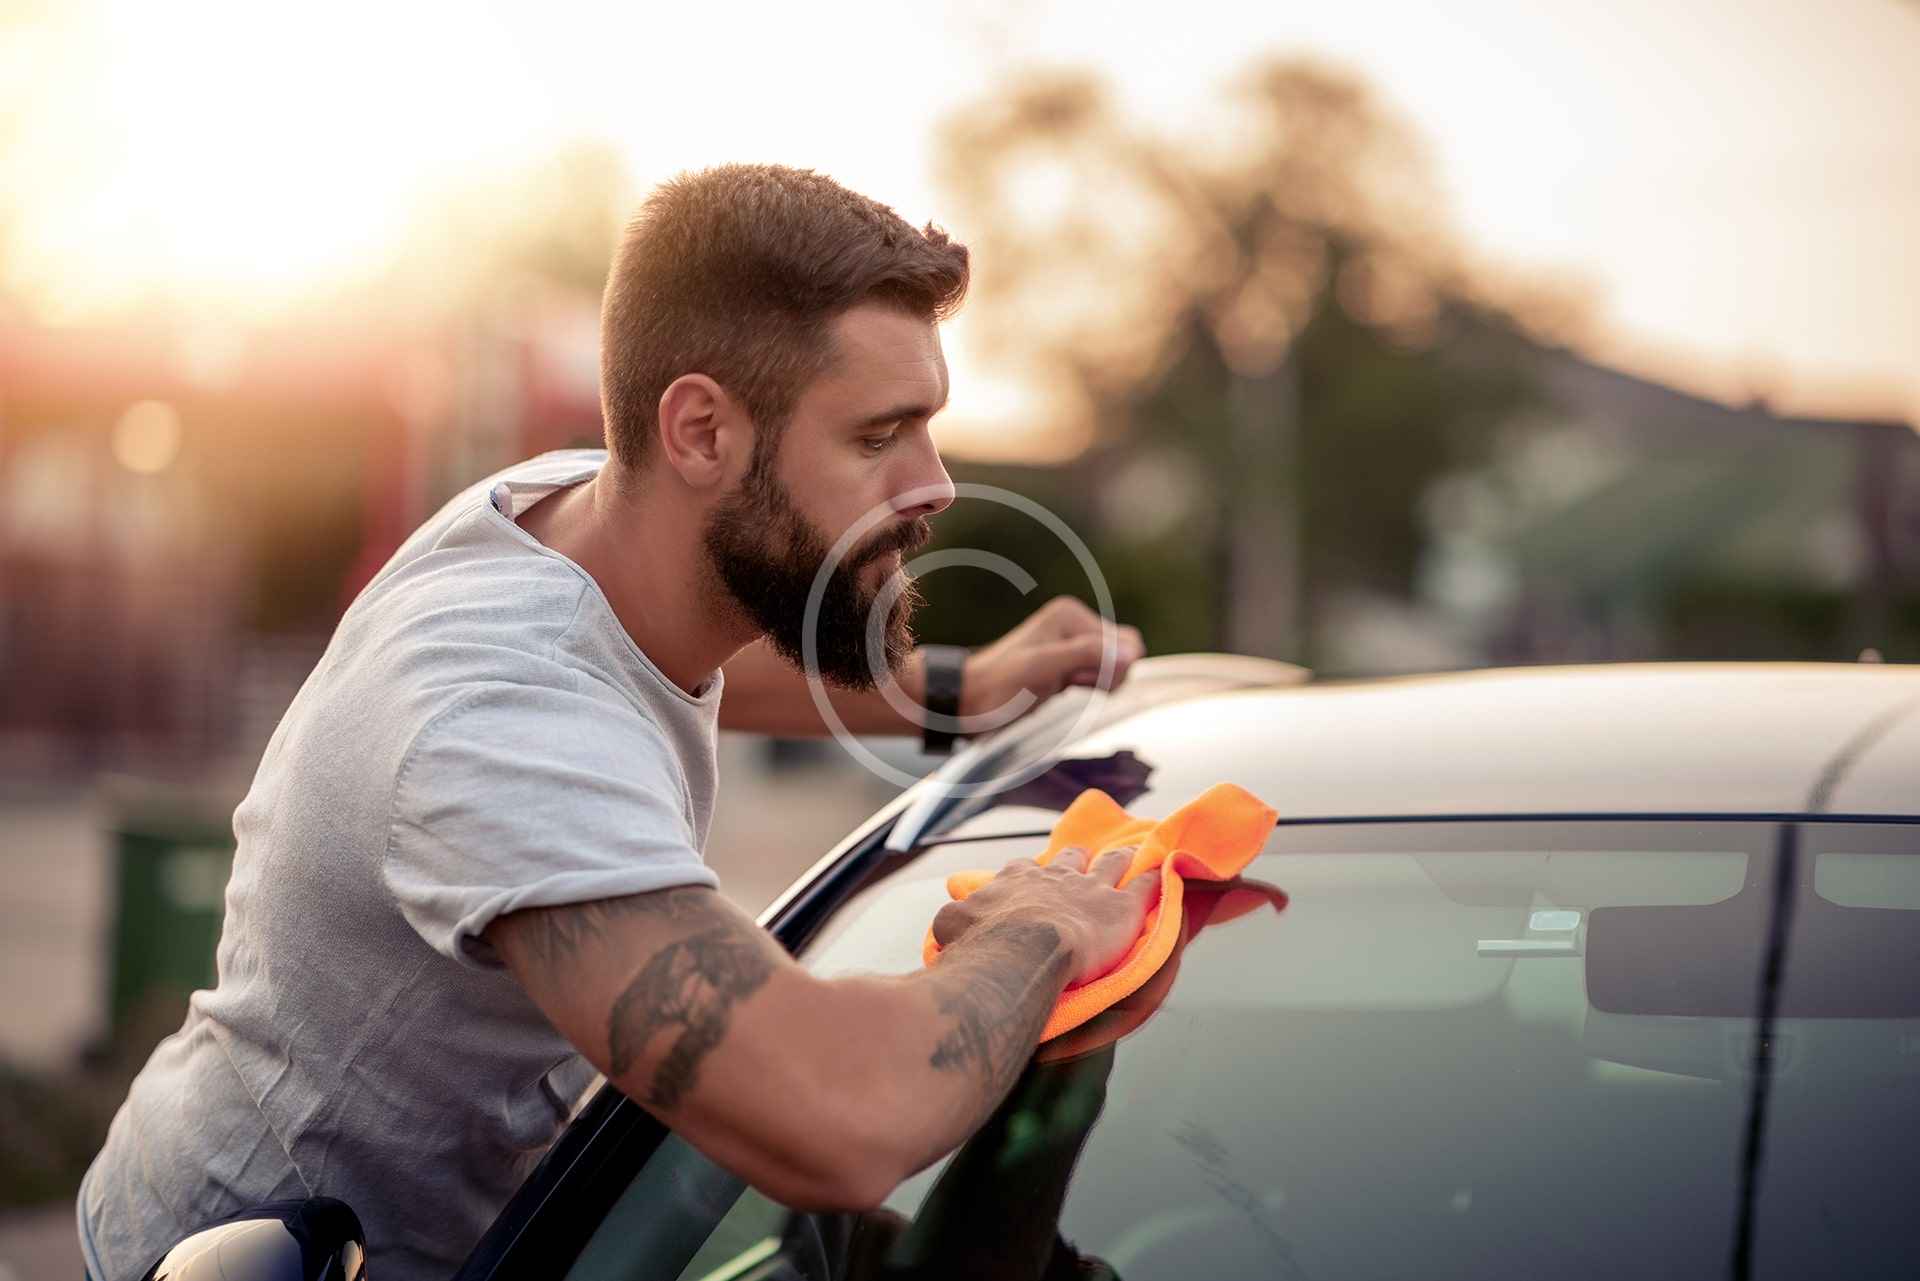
x=943, y=667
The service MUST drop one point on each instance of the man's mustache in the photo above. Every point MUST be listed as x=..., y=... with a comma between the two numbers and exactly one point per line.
x=907, y=537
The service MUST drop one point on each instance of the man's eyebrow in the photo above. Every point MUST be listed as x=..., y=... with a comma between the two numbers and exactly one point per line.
x=911, y=409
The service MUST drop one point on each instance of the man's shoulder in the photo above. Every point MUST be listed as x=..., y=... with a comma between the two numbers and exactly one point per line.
x=557, y=468
x=477, y=522
x=470, y=569
x=477, y=615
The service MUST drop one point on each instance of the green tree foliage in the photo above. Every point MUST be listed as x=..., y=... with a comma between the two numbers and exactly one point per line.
x=1266, y=301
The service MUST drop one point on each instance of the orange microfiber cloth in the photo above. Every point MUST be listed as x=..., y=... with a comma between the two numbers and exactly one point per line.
x=1210, y=838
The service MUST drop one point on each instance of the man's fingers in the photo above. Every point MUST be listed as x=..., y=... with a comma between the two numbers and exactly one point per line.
x=950, y=922
x=1111, y=866
x=1056, y=658
x=1066, y=615
x=1077, y=661
x=1073, y=858
x=1146, y=887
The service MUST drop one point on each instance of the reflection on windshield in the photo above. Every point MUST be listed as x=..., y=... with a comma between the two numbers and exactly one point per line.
x=1462, y=1049
x=1036, y=803
x=1121, y=775
x=994, y=1210
x=1857, y=962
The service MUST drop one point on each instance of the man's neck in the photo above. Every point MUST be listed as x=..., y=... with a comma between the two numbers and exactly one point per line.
x=648, y=561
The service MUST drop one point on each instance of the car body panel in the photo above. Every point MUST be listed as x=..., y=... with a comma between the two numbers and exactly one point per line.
x=1885, y=776
x=1631, y=739
x=968, y=781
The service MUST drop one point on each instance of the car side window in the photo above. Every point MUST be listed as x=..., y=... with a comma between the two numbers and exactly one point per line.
x=754, y=1242
x=685, y=1217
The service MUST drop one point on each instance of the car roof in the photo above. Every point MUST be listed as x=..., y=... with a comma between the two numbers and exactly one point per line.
x=1675, y=738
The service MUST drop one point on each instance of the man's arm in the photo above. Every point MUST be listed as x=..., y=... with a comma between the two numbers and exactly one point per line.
x=1058, y=645
x=824, y=1094
x=765, y=694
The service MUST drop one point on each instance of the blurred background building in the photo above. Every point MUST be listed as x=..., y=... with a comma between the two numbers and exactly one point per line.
x=1384, y=340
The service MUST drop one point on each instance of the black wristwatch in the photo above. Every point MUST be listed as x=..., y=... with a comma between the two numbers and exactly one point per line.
x=944, y=667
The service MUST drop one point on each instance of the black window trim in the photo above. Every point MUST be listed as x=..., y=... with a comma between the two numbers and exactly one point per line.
x=1544, y=816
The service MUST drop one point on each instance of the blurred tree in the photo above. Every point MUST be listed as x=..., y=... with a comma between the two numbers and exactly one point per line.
x=1262, y=317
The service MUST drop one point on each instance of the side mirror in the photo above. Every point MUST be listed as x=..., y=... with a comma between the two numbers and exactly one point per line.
x=316, y=1239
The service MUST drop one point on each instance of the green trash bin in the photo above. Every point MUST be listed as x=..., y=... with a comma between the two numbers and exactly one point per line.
x=171, y=879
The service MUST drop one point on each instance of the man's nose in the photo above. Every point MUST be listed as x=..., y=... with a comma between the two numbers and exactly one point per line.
x=925, y=488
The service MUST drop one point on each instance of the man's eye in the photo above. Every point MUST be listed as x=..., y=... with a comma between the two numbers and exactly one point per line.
x=875, y=444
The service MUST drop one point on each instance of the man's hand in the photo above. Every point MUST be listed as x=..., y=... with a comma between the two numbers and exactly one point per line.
x=1098, y=921
x=1060, y=644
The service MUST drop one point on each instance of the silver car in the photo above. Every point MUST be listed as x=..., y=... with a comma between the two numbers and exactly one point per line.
x=1560, y=972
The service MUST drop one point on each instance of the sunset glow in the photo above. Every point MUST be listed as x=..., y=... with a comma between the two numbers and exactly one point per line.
x=1733, y=187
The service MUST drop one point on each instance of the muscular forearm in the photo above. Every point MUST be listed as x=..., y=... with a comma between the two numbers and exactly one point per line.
x=765, y=695
x=947, y=1044
x=824, y=1093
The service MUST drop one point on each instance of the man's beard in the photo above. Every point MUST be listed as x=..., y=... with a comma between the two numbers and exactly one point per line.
x=767, y=555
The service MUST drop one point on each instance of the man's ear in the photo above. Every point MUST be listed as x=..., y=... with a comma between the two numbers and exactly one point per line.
x=705, y=434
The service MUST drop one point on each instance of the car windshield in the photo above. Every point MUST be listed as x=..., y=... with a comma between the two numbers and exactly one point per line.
x=1448, y=1049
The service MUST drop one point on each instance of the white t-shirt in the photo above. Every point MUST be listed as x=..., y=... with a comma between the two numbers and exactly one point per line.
x=480, y=736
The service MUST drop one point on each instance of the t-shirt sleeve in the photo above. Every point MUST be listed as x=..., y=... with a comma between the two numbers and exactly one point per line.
x=526, y=796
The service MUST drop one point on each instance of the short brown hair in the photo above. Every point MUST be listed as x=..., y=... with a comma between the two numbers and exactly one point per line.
x=737, y=272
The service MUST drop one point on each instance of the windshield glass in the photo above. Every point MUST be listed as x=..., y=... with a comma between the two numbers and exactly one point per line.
x=1447, y=1049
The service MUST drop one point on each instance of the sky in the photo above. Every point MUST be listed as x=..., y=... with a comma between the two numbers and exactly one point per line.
x=1734, y=185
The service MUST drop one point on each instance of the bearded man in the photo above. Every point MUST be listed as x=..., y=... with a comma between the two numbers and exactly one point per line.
x=468, y=871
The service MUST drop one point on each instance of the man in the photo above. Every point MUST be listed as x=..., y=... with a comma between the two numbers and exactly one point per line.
x=468, y=871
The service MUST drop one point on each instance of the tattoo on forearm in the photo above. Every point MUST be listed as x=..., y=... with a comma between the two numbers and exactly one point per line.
x=690, y=986
x=1000, y=1003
